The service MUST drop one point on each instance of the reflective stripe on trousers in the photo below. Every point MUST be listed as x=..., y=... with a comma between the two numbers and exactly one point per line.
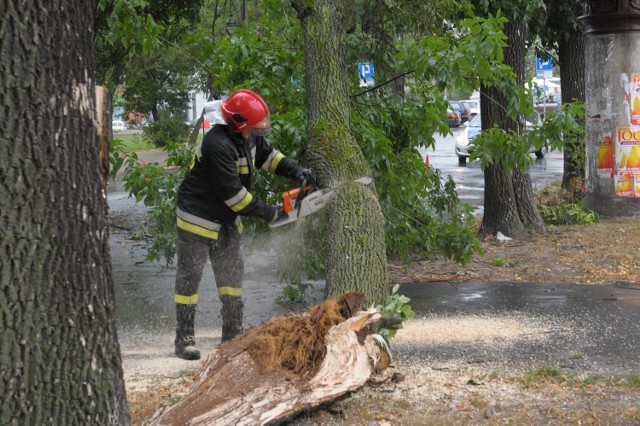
x=226, y=261
x=202, y=227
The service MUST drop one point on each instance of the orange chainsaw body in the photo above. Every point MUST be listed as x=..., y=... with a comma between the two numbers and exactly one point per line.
x=292, y=195
x=301, y=202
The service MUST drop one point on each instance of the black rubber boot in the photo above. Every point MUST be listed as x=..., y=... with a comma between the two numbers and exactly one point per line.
x=231, y=317
x=185, y=334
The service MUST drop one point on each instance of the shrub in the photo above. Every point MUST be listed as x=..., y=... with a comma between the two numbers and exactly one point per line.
x=166, y=130
x=568, y=214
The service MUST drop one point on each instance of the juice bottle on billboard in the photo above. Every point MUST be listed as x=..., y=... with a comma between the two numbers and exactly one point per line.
x=605, y=155
x=628, y=147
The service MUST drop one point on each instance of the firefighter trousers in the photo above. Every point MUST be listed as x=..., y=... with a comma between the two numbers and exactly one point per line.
x=228, y=268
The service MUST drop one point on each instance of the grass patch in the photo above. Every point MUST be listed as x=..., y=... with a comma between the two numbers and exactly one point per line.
x=630, y=380
x=499, y=262
x=592, y=380
x=133, y=142
x=578, y=357
x=544, y=375
x=633, y=380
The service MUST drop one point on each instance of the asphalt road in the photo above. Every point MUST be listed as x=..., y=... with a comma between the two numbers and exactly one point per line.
x=582, y=328
x=469, y=178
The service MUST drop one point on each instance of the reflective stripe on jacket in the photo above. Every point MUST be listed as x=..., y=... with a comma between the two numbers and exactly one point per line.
x=216, y=189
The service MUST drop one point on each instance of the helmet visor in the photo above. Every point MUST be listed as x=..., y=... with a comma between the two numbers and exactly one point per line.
x=264, y=123
x=263, y=127
x=262, y=132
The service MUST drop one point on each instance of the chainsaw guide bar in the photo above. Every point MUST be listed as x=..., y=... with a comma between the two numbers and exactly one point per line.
x=306, y=200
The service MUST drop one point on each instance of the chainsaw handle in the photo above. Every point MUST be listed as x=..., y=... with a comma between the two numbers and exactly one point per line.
x=301, y=193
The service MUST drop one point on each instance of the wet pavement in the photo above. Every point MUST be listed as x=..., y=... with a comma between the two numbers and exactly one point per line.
x=586, y=329
x=469, y=177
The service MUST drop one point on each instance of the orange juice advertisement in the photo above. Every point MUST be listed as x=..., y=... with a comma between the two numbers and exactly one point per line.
x=624, y=185
x=628, y=147
x=634, y=102
x=605, y=156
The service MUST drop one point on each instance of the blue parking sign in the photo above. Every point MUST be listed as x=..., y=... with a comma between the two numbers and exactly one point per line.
x=365, y=70
x=544, y=65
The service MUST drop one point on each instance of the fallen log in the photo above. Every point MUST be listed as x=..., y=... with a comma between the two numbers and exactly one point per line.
x=286, y=365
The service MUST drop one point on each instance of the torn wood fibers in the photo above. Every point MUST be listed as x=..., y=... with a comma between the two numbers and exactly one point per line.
x=286, y=365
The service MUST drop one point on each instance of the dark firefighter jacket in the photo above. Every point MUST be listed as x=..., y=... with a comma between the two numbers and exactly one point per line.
x=216, y=189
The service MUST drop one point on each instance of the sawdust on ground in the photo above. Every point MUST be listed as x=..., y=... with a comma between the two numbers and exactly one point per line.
x=415, y=392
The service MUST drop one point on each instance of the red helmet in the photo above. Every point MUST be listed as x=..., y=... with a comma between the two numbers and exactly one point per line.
x=245, y=109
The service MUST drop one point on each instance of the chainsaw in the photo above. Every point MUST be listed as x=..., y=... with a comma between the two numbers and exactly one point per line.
x=298, y=203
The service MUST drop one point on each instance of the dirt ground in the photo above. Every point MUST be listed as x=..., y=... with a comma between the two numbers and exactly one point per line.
x=413, y=392
x=590, y=254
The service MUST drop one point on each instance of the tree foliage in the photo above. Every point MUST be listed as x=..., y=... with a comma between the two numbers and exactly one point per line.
x=423, y=212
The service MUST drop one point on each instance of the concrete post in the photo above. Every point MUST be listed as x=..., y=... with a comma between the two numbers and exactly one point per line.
x=612, y=122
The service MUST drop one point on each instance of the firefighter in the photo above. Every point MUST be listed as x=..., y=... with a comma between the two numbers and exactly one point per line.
x=214, y=194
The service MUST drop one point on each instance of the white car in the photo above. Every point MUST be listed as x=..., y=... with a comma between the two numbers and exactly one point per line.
x=475, y=127
x=118, y=125
x=474, y=106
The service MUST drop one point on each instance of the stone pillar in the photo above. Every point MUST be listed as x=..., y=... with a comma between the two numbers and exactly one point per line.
x=612, y=122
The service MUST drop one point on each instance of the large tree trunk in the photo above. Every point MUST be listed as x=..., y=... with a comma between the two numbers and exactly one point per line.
x=59, y=354
x=357, y=259
x=509, y=205
x=286, y=365
x=571, y=54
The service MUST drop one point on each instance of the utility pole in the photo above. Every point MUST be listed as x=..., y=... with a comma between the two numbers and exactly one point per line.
x=612, y=109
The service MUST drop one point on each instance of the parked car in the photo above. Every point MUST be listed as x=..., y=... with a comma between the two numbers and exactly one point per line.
x=118, y=125
x=548, y=102
x=461, y=109
x=474, y=107
x=475, y=127
x=453, y=119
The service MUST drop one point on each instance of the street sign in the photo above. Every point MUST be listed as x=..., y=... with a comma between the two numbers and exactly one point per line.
x=365, y=70
x=367, y=82
x=544, y=65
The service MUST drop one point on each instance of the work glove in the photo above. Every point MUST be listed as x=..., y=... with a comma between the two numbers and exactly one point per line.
x=279, y=214
x=306, y=174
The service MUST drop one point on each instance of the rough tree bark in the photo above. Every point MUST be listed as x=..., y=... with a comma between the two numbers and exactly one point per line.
x=508, y=195
x=357, y=259
x=561, y=28
x=572, y=68
x=59, y=354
